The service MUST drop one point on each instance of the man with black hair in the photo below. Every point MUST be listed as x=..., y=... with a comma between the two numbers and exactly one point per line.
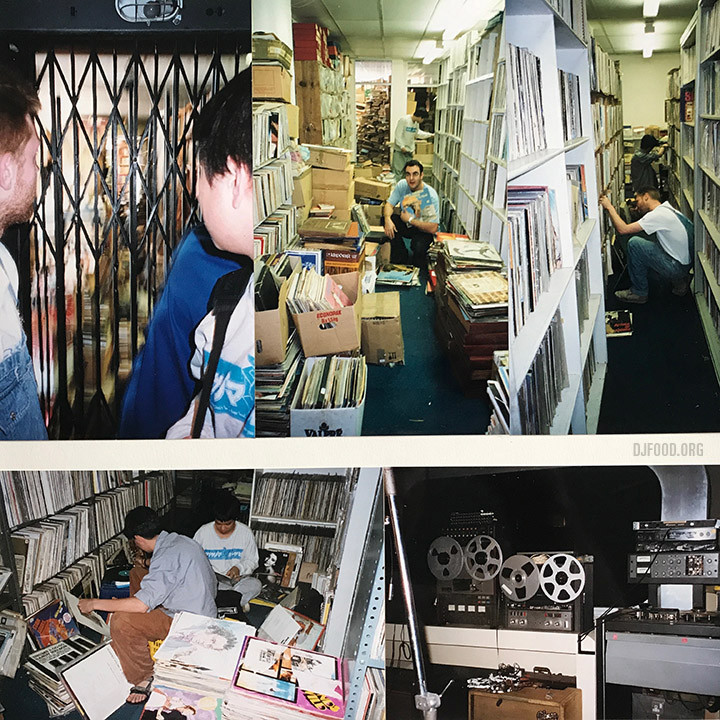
x=179, y=578
x=20, y=414
x=407, y=131
x=412, y=211
x=642, y=173
x=662, y=241
x=232, y=552
x=162, y=390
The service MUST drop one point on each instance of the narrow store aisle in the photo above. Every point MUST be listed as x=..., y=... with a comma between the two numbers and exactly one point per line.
x=422, y=397
x=660, y=379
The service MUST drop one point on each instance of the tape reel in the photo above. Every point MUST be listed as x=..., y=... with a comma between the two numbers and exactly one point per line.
x=483, y=558
x=562, y=578
x=519, y=578
x=445, y=558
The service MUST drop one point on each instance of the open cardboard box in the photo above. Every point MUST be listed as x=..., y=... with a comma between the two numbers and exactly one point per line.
x=272, y=329
x=382, y=341
x=331, y=332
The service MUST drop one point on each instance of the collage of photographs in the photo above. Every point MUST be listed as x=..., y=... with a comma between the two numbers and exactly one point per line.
x=438, y=284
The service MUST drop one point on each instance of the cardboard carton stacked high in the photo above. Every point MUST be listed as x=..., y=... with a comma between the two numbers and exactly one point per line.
x=272, y=60
x=373, y=131
x=333, y=179
x=310, y=42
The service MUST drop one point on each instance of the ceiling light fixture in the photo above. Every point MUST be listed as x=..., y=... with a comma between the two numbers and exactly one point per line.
x=651, y=8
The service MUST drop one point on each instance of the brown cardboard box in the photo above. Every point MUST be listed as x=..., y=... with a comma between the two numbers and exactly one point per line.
x=329, y=157
x=411, y=102
x=342, y=213
x=269, y=48
x=293, y=113
x=426, y=161
x=303, y=195
x=375, y=189
x=324, y=179
x=365, y=171
x=526, y=704
x=424, y=147
x=342, y=199
x=373, y=213
x=271, y=82
x=272, y=329
x=342, y=333
x=382, y=341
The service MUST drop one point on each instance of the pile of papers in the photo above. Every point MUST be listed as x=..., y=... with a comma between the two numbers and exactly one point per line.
x=12, y=638
x=277, y=682
x=310, y=292
x=402, y=275
x=200, y=653
x=166, y=698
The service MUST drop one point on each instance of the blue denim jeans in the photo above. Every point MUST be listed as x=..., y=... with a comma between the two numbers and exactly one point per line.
x=644, y=255
x=20, y=416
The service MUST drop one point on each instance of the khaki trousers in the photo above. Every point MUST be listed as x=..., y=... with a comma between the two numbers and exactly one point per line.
x=131, y=632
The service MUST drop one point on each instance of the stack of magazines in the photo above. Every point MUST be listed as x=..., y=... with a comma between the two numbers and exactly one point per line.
x=310, y=292
x=200, y=653
x=277, y=682
x=464, y=255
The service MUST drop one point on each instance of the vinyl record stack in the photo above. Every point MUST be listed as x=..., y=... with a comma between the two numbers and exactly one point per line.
x=277, y=682
x=471, y=308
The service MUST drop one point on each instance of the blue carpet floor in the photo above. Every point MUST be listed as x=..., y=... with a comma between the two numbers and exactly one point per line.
x=660, y=379
x=421, y=397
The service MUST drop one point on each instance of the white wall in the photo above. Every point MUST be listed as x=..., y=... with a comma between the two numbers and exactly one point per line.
x=398, y=94
x=275, y=17
x=644, y=87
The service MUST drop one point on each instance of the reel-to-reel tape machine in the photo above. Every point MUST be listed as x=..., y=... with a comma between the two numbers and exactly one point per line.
x=476, y=586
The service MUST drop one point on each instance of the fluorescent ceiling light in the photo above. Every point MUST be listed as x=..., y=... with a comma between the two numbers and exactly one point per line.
x=651, y=8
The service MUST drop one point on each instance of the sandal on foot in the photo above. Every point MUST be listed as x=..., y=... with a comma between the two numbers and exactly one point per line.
x=145, y=690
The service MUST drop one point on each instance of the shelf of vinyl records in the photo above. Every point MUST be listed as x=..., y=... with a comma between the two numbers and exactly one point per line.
x=274, y=217
x=558, y=351
x=63, y=525
x=706, y=175
x=673, y=157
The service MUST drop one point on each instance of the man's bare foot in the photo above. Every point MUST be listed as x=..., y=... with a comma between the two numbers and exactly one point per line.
x=140, y=693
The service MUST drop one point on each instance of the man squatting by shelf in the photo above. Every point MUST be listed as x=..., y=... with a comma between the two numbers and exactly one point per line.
x=662, y=241
x=20, y=414
x=179, y=578
x=412, y=211
x=407, y=131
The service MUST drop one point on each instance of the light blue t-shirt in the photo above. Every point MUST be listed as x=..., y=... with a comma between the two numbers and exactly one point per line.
x=423, y=204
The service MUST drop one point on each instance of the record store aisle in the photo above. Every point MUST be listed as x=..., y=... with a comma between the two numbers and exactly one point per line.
x=307, y=547
x=344, y=105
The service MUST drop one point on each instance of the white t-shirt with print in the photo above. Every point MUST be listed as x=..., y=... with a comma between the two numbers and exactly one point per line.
x=671, y=233
x=236, y=550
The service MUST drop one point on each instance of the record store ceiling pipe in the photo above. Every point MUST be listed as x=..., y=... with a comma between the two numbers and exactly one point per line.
x=684, y=491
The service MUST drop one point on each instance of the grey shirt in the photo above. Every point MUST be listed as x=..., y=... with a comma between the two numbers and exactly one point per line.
x=180, y=577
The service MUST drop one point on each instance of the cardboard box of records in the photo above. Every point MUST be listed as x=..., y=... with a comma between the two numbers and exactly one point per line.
x=374, y=189
x=271, y=82
x=331, y=332
x=328, y=157
x=336, y=381
x=272, y=329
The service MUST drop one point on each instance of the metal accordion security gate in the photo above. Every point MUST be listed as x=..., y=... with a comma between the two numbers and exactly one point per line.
x=116, y=194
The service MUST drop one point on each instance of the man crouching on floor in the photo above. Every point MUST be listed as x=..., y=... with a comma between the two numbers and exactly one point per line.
x=179, y=578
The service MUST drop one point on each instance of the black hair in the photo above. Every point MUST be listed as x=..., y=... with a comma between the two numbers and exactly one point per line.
x=653, y=192
x=421, y=113
x=142, y=521
x=649, y=142
x=226, y=506
x=224, y=127
x=412, y=163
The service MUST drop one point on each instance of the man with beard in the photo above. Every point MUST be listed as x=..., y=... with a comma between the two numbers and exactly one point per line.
x=412, y=211
x=20, y=415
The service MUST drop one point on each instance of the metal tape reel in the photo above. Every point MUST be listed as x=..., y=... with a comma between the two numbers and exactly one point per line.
x=445, y=558
x=519, y=578
x=483, y=557
x=562, y=578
